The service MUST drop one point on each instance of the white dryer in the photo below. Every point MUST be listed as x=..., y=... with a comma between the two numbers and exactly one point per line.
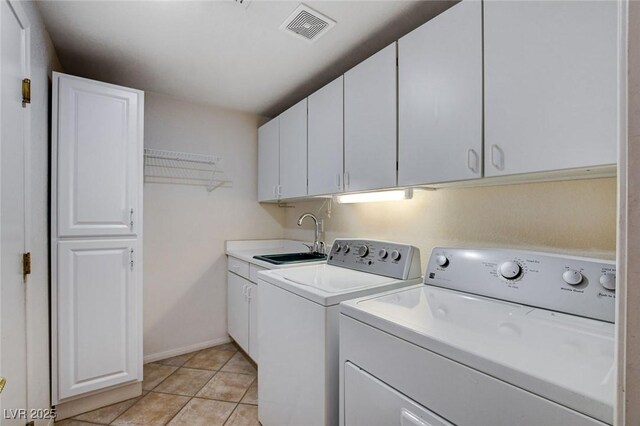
x=298, y=313
x=493, y=337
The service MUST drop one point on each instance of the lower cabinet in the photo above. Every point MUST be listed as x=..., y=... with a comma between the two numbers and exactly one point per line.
x=238, y=310
x=242, y=313
x=97, y=315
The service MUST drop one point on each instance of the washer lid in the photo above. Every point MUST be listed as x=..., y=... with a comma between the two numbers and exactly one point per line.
x=563, y=358
x=329, y=285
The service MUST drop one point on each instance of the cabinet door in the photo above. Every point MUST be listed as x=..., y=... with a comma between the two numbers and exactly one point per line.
x=440, y=98
x=97, y=315
x=293, y=151
x=269, y=160
x=370, y=129
x=238, y=310
x=326, y=139
x=550, y=85
x=99, y=157
x=253, y=321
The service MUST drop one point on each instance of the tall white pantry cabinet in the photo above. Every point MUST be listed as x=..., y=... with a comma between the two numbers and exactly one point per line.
x=96, y=236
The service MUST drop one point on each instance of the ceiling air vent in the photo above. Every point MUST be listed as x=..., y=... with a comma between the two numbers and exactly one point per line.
x=307, y=24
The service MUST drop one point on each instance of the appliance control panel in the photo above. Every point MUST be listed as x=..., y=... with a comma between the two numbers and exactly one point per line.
x=394, y=260
x=573, y=285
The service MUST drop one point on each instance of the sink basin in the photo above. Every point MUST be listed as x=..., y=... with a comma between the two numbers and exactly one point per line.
x=285, y=258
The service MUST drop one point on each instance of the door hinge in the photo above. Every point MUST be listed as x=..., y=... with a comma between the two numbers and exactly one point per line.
x=26, y=91
x=26, y=265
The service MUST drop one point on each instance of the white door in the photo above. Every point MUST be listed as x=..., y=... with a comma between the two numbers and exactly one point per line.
x=97, y=310
x=238, y=310
x=252, y=293
x=14, y=167
x=370, y=141
x=326, y=137
x=98, y=157
x=293, y=151
x=269, y=160
x=550, y=85
x=440, y=98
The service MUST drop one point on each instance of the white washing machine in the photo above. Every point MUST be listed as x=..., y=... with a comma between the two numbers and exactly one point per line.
x=298, y=314
x=493, y=337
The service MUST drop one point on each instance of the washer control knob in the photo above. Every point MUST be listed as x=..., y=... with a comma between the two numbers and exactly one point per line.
x=442, y=260
x=363, y=251
x=608, y=281
x=510, y=270
x=338, y=247
x=346, y=248
x=382, y=254
x=395, y=255
x=572, y=277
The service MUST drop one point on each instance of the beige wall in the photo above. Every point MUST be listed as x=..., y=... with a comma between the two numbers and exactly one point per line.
x=185, y=227
x=576, y=217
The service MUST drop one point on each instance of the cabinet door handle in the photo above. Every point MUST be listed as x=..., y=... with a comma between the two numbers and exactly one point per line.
x=249, y=291
x=244, y=290
x=473, y=160
x=497, y=157
x=131, y=259
x=347, y=180
x=338, y=180
x=131, y=219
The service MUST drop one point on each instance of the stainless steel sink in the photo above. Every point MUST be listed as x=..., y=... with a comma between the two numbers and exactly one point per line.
x=285, y=258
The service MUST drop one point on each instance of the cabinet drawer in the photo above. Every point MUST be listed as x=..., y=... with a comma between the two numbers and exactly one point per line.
x=253, y=272
x=238, y=267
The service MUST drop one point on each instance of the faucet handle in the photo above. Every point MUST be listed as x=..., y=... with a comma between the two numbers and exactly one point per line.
x=322, y=247
x=310, y=247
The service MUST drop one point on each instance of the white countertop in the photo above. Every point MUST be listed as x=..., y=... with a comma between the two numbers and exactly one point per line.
x=246, y=249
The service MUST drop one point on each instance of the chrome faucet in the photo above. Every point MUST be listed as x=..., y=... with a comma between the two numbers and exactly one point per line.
x=318, y=246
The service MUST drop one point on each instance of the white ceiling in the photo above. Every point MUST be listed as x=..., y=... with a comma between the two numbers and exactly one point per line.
x=220, y=53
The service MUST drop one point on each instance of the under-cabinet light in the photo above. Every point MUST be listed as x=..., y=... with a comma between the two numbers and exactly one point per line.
x=369, y=197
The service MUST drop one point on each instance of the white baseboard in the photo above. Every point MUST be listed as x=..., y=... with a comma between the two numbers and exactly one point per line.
x=185, y=350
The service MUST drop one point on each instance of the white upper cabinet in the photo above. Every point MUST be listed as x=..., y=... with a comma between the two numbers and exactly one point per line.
x=98, y=317
x=326, y=139
x=370, y=123
x=293, y=151
x=99, y=157
x=550, y=85
x=440, y=98
x=269, y=160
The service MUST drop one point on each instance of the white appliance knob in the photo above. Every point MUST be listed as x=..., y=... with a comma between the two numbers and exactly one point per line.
x=395, y=255
x=338, y=247
x=510, y=270
x=363, y=251
x=382, y=254
x=572, y=277
x=442, y=260
x=347, y=249
x=608, y=281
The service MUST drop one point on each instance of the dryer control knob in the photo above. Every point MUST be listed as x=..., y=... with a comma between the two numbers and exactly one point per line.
x=395, y=255
x=510, y=270
x=608, y=281
x=572, y=277
x=338, y=247
x=363, y=251
x=346, y=248
x=382, y=254
x=442, y=260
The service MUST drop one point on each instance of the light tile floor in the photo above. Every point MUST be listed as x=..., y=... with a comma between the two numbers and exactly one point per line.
x=215, y=386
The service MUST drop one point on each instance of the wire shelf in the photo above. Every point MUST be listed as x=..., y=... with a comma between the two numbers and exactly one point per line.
x=184, y=168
